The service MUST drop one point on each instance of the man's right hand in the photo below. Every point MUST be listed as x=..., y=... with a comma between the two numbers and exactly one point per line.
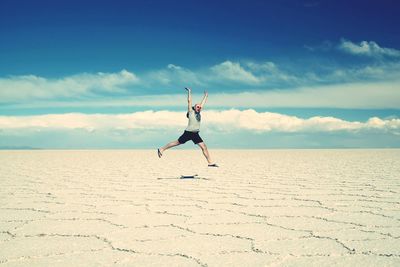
x=188, y=89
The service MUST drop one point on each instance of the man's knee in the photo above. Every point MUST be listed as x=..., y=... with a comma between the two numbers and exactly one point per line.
x=202, y=146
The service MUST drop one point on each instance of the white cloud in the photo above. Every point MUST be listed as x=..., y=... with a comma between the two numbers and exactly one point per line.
x=365, y=48
x=28, y=87
x=174, y=67
x=171, y=75
x=368, y=74
x=233, y=71
x=268, y=72
x=265, y=66
x=227, y=120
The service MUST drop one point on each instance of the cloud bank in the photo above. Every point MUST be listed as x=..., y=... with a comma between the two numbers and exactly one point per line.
x=246, y=84
x=378, y=95
x=224, y=121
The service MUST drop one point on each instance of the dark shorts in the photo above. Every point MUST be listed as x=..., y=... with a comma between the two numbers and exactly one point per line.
x=186, y=136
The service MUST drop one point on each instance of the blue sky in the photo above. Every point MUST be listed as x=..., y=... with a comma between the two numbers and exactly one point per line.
x=280, y=74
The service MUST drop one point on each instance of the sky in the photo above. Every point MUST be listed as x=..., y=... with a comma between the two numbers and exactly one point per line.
x=280, y=74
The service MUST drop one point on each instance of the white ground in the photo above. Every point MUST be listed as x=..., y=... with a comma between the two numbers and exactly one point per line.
x=260, y=208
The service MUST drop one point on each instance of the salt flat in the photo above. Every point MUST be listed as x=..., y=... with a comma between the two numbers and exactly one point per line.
x=260, y=208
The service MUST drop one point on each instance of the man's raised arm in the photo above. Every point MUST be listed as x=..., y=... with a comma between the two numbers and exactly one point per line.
x=203, y=102
x=189, y=98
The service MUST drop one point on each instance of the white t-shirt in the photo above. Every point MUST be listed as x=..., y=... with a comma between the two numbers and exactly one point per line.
x=193, y=124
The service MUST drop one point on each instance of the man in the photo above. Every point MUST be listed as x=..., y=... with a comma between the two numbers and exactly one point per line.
x=192, y=130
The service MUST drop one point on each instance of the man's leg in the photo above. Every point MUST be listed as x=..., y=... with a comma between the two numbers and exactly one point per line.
x=169, y=145
x=203, y=147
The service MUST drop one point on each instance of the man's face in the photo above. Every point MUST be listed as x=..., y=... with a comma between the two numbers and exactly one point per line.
x=197, y=108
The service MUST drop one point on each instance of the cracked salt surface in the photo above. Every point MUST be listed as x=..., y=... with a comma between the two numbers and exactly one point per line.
x=260, y=208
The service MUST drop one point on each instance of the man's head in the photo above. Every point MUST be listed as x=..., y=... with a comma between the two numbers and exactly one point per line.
x=197, y=108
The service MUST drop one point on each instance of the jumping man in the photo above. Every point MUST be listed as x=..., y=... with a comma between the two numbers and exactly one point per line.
x=192, y=130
